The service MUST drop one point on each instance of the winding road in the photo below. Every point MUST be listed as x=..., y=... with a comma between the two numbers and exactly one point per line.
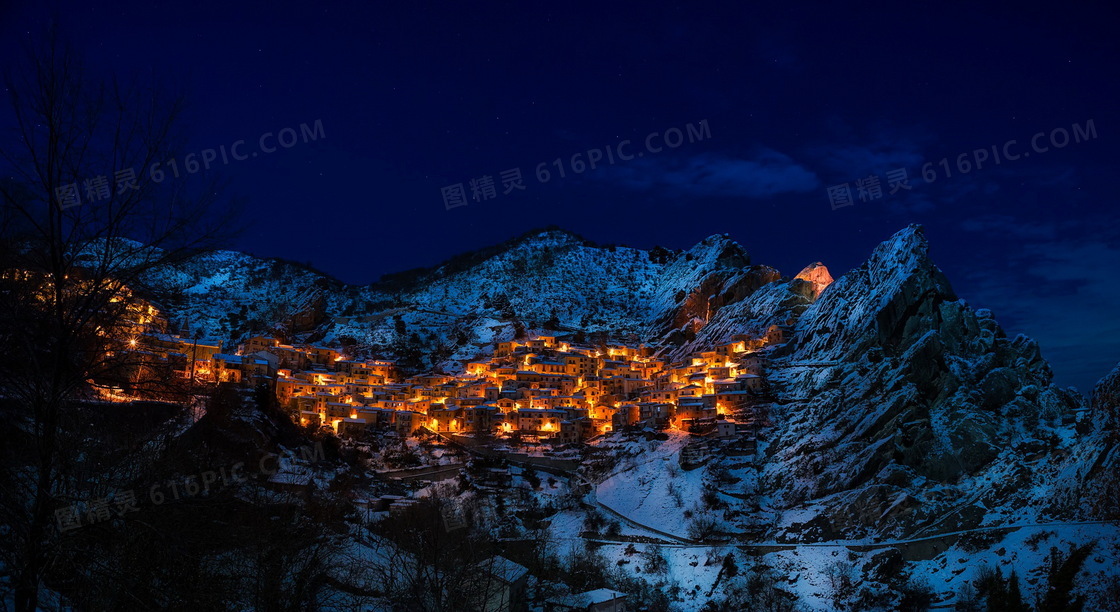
x=676, y=541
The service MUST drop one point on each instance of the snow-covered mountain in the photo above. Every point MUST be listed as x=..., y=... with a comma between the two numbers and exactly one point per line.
x=899, y=413
x=898, y=409
x=461, y=308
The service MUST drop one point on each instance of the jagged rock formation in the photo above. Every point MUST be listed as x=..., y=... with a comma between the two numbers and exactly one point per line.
x=899, y=405
x=1106, y=400
x=1101, y=485
x=818, y=278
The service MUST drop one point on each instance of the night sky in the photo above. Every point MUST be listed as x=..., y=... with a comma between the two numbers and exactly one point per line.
x=415, y=98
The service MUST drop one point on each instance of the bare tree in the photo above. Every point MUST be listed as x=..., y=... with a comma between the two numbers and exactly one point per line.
x=71, y=272
x=432, y=567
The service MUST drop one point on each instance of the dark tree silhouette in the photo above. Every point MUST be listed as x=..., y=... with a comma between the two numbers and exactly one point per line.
x=87, y=217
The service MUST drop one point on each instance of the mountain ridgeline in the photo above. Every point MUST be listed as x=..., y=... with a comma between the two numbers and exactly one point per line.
x=898, y=409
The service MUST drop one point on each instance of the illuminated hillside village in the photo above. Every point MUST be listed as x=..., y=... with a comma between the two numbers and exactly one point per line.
x=543, y=389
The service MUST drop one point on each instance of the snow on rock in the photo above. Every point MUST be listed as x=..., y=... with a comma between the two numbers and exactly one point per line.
x=654, y=491
x=900, y=409
x=461, y=309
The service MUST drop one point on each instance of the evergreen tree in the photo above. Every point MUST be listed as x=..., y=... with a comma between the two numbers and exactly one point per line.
x=1000, y=594
x=1062, y=573
x=1014, y=601
x=553, y=322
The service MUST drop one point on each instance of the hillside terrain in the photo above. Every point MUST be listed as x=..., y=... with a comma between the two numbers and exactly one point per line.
x=898, y=414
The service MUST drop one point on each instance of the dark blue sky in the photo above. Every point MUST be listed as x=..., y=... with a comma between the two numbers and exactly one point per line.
x=417, y=97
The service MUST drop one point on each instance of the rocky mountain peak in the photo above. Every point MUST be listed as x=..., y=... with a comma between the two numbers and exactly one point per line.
x=904, y=252
x=721, y=249
x=817, y=275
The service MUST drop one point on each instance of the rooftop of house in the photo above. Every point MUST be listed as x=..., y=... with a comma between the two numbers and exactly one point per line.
x=504, y=569
x=591, y=598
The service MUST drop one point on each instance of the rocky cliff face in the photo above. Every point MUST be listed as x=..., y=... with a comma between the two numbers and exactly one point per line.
x=901, y=409
x=1101, y=486
x=1106, y=400
x=818, y=278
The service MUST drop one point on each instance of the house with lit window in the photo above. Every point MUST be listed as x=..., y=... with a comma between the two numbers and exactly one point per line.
x=626, y=415
x=656, y=413
x=225, y=367
x=259, y=343
x=544, y=421
x=482, y=418
x=445, y=419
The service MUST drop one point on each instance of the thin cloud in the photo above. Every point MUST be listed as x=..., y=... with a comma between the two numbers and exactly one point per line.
x=850, y=162
x=767, y=174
